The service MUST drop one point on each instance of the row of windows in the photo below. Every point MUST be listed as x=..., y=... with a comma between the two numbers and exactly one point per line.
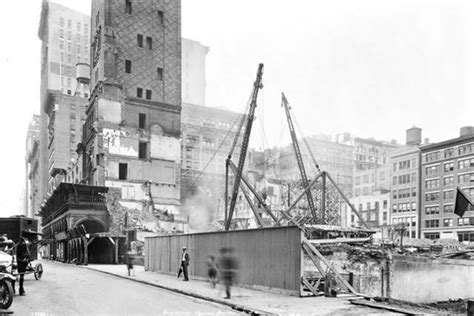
x=404, y=207
x=403, y=165
x=128, y=69
x=450, y=152
x=404, y=179
x=129, y=10
x=403, y=193
x=449, y=222
x=78, y=25
x=448, y=194
x=462, y=236
x=147, y=93
x=376, y=205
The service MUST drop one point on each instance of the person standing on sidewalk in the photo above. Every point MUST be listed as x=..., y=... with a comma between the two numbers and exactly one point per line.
x=129, y=263
x=184, y=265
x=22, y=259
x=212, y=270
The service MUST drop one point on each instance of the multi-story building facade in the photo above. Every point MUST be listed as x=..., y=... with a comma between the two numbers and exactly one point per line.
x=131, y=134
x=332, y=157
x=405, y=176
x=193, y=72
x=370, y=180
x=32, y=200
x=65, y=37
x=445, y=166
x=374, y=209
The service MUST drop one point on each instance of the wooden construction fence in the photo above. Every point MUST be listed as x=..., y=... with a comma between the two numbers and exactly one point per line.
x=270, y=258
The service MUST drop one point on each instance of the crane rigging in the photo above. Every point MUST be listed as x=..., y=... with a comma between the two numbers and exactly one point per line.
x=299, y=157
x=245, y=143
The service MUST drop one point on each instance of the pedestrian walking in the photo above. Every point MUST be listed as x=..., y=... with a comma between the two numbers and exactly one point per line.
x=22, y=259
x=228, y=269
x=184, y=265
x=212, y=267
x=129, y=262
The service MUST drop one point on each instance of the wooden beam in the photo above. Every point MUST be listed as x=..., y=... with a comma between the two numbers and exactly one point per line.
x=309, y=286
x=338, y=240
x=339, y=277
x=314, y=259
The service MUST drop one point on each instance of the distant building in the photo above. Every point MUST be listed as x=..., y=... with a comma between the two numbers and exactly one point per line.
x=445, y=166
x=405, y=184
x=207, y=136
x=65, y=37
x=32, y=200
x=374, y=209
x=335, y=158
x=193, y=72
x=130, y=140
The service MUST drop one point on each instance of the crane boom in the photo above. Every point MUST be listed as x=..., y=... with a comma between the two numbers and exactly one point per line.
x=299, y=157
x=245, y=143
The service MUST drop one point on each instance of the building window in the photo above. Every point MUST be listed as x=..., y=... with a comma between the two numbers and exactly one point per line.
x=160, y=73
x=465, y=236
x=448, y=208
x=148, y=94
x=128, y=66
x=448, y=181
x=447, y=195
x=413, y=191
x=463, y=221
x=128, y=6
x=69, y=24
x=142, y=150
x=432, y=184
x=123, y=168
x=467, y=178
x=394, y=194
x=432, y=210
x=139, y=93
x=432, y=170
x=61, y=22
x=141, y=120
x=432, y=235
x=149, y=42
x=466, y=149
x=432, y=196
x=448, y=153
x=448, y=222
x=432, y=223
x=160, y=17
x=449, y=166
x=140, y=40
x=432, y=156
x=466, y=163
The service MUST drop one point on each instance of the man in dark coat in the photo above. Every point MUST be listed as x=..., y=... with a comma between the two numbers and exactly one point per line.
x=184, y=265
x=22, y=259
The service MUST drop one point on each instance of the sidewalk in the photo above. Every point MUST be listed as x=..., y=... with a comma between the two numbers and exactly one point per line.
x=246, y=300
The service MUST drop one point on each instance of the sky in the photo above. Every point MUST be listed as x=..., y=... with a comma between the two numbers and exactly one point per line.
x=369, y=67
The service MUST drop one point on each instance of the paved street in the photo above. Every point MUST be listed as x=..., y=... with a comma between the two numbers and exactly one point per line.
x=67, y=289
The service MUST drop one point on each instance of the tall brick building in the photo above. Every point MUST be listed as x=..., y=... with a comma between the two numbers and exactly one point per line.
x=131, y=134
x=444, y=167
x=65, y=37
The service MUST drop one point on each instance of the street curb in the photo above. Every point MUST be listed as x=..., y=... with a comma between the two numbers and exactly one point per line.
x=237, y=307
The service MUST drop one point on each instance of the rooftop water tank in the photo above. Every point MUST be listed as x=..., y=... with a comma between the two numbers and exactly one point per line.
x=83, y=73
x=466, y=131
x=414, y=136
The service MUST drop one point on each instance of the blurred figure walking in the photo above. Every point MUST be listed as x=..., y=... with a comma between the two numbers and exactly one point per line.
x=228, y=269
x=212, y=267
